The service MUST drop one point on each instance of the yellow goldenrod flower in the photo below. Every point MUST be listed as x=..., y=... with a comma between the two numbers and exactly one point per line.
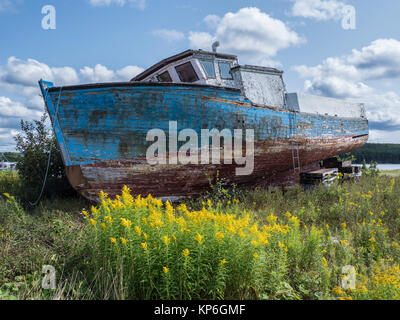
x=324, y=262
x=144, y=245
x=138, y=230
x=338, y=291
x=185, y=252
x=123, y=240
x=85, y=213
x=255, y=255
x=344, y=225
x=103, y=195
x=295, y=221
x=93, y=222
x=165, y=269
x=199, y=238
x=372, y=240
x=223, y=261
x=219, y=236
x=103, y=225
x=113, y=240
x=166, y=240
x=346, y=298
x=145, y=236
x=108, y=219
x=126, y=223
x=271, y=218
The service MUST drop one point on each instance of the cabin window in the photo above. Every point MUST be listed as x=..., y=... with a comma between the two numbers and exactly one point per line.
x=225, y=70
x=186, y=72
x=164, y=77
x=208, y=67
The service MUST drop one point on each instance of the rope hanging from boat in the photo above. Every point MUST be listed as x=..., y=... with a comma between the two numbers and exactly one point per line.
x=34, y=204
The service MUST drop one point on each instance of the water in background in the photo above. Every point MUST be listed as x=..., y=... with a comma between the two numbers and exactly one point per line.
x=386, y=166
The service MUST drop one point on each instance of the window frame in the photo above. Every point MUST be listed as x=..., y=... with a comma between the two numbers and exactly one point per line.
x=194, y=70
x=204, y=69
x=220, y=72
x=169, y=75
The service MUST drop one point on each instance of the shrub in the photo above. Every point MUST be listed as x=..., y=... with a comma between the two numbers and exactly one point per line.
x=9, y=182
x=34, y=144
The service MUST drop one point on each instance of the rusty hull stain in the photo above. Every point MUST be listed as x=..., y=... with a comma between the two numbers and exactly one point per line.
x=272, y=167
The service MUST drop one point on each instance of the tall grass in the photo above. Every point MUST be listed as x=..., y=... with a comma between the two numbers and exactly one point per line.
x=265, y=244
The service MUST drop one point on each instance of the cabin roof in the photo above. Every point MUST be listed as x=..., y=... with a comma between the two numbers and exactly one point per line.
x=257, y=68
x=177, y=57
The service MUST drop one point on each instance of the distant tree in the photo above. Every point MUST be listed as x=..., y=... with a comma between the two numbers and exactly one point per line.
x=34, y=144
x=10, y=156
x=381, y=153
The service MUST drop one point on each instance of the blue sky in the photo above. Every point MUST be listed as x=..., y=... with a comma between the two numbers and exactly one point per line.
x=112, y=40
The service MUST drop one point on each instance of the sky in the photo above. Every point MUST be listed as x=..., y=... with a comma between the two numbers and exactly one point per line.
x=346, y=49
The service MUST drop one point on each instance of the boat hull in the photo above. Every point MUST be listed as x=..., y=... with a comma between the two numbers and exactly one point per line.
x=101, y=130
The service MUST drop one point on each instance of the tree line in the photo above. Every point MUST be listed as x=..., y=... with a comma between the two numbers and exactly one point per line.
x=378, y=152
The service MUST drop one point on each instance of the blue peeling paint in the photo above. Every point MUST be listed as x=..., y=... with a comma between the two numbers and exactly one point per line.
x=111, y=123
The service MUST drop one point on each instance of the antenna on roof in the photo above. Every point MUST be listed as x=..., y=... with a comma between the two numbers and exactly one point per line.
x=214, y=46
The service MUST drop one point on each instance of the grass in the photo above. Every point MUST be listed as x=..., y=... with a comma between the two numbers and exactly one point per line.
x=293, y=245
x=391, y=173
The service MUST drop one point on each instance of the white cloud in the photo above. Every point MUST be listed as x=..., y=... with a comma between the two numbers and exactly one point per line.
x=128, y=72
x=382, y=136
x=379, y=60
x=11, y=112
x=169, y=34
x=27, y=73
x=7, y=140
x=212, y=20
x=101, y=73
x=201, y=40
x=15, y=109
x=318, y=9
x=354, y=77
x=250, y=33
x=97, y=74
x=106, y=3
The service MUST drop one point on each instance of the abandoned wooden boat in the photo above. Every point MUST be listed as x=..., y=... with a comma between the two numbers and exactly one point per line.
x=102, y=128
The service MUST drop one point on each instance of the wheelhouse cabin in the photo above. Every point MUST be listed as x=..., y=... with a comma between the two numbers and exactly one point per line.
x=263, y=86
